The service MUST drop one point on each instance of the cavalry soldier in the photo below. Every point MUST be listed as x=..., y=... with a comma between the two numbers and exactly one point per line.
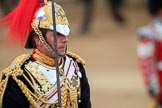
x=150, y=53
x=30, y=80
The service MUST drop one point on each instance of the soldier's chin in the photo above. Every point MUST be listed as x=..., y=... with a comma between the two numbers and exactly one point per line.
x=62, y=54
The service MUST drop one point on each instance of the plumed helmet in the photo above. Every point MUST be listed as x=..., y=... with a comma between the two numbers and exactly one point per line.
x=33, y=15
x=44, y=15
x=43, y=20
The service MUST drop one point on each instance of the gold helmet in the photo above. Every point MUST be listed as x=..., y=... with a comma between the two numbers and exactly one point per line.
x=33, y=16
x=43, y=20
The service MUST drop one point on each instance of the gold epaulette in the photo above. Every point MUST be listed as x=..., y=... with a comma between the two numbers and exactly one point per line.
x=76, y=57
x=13, y=70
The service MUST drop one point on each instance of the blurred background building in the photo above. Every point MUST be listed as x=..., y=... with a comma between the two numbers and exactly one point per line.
x=109, y=50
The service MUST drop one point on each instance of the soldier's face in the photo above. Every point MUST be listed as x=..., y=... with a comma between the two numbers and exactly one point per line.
x=61, y=42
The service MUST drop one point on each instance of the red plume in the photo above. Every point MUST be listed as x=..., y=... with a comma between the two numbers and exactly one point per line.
x=19, y=21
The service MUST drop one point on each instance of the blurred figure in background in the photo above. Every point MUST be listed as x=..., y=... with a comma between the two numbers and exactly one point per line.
x=115, y=9
x=150, y=53
x=8, y=5
x=88, y=14
x=113, y=5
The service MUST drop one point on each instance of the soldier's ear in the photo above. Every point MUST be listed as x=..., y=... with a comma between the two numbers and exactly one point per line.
x=38, y=43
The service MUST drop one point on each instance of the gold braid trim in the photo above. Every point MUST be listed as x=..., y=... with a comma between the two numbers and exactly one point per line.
x=27, y=92
x=68, y=92
x=13, y=70
x=76, y=57
x=3, y=85
x=69, y=97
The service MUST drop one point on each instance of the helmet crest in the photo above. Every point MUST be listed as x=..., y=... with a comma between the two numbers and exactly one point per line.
x=22, y=19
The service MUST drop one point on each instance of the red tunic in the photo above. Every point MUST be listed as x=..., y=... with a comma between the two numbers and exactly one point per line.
x=150, y=57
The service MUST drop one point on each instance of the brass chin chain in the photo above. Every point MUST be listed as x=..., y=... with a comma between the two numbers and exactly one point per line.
x=35, y=24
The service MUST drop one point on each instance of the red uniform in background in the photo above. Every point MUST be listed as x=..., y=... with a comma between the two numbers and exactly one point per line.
x=150, y=57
